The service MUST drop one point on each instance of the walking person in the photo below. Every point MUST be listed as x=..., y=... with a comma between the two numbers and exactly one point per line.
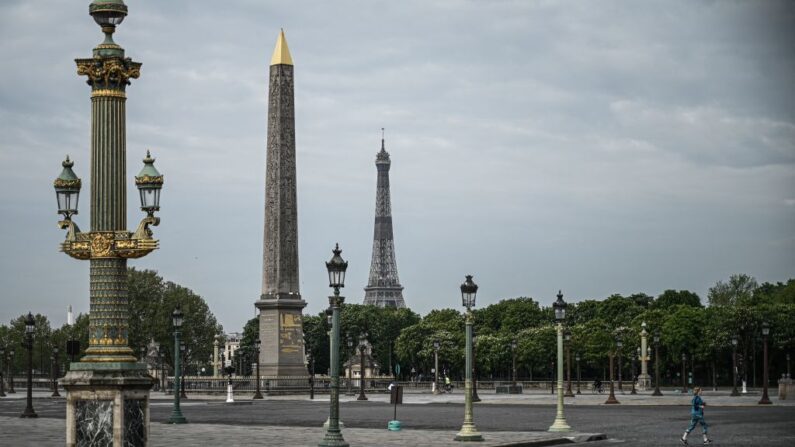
x=697, y=417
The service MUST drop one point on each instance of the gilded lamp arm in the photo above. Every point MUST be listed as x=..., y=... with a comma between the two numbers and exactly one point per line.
x=143, y=231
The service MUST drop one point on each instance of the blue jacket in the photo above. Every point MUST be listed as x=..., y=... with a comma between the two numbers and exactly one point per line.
x=696, y=409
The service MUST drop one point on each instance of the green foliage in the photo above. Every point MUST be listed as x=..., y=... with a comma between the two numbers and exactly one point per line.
x=738, y=291
x=509, y=316
x=671, y=298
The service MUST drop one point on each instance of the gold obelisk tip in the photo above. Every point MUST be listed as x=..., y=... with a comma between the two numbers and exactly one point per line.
x=281, y=55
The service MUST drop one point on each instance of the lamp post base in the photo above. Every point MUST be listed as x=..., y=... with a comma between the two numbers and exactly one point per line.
x=29, y=413
x=333, y=439
x=559, y=425
x=177, y=418
x=107, y=403
x=468, y=433
x=258, y=395
x=657, y=392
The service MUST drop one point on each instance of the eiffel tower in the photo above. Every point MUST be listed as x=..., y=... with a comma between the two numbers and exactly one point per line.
x=383, y=288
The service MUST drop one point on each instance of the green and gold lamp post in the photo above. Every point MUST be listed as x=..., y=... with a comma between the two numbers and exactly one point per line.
x=2, y=379
x=468, y=432
x=559, y=306
x=657, y=391
x=765, y=400
x=176, y=413
x=734, y=392
x=30, y=328
x=108, y=389
x=336, y=276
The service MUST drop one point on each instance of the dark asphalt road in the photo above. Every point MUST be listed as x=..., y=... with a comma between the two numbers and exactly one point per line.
x=632, y=425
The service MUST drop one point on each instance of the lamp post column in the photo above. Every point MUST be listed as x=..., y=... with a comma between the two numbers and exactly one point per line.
x=577, y=358
x=567, y=343
x=735, y=391
x=216, y=343
x=611, y=399
x=468, y=430
x=632, y=373
x=30, y=327
x=657, y=391
x=560, y=420
x=765, y=400
x=475, y=397
x=684, y=373
x=435, y=384
x=362, y=349
x=257, y=394
x=55, y=372
x=176, y=412
x=10, y=367
x=2, y=378
x=336, y=270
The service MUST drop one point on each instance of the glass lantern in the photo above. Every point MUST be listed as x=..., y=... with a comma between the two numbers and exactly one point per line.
x=67, y=189
x=336, y=269
x=469, y=291
x=149, y=182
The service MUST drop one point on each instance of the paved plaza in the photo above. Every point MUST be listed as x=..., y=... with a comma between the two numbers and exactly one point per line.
x=430, y=420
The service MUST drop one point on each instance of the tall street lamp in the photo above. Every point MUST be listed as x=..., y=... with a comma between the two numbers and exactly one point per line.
x=765, y=400
x=657, y=391
x=611, y=399
x=30, y=328
x=684, y=373
x=109, y=367
x=559, y=307
x=362, y=351
x=257, y=394
x=311, y=364
x=336, y=277
x=436, y=345
x=11, y=359
x=513, y=361
x=632, y=373
x=567, y=339
x=468, y=430
x=351, y=353
x=176, y=413
x=2, y=379
x=183, y=355
x=55, y=371
x=577, y=359
x=475, y=397
x=619, y=347
x=735, y=392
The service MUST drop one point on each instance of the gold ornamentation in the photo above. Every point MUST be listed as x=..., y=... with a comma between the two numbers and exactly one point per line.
x=149, y=180
x=62, y=183
x=108, y=70
x=107, y=93
x=101, y=244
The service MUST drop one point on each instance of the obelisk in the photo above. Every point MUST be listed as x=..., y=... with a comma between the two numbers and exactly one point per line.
x=280, y=305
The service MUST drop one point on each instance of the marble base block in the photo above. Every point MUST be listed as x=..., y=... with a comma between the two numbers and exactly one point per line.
x=107, y=404
x=644, y=382
x=281, y=333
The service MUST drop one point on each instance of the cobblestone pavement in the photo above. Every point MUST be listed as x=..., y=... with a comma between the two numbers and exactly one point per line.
x=249, y=421
x=49, y=432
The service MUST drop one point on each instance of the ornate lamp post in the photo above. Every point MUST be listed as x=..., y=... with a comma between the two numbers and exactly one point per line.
x=577, y=359
x=176, y=413
x=632, y=373
x=684, y=373
x=216, y=366
x=567, y=339
x=55, y=371
x=436, y=345
x=350, y=365
x=2, y=383
x=765, y=400
x=362, y=351
x=11, y=358
x=257, y=394
x=183, y=351
x=311, y=360
x=513, y=361
x=30, y=328
x=475, y=397
x=560, y=316
x=656, y=364
x=336, y=277
x=468, y=430
x=611, y=399
x=619, y=347
x=735, y=392
x=109, y=368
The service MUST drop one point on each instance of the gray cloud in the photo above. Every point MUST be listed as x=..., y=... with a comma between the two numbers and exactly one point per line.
x=594, y=147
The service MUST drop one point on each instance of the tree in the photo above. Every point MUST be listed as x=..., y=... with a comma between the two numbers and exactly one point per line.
x=671, y=298
x=152, y=301
x=509, y=316
x=739, y=290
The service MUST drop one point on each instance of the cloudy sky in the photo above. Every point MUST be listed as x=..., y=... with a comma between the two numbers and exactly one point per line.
x=595, y=147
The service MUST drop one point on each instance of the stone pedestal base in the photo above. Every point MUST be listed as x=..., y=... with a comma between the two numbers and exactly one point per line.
x=786, y=389
x=107, y=404
x=644, y=382
x=282, y=336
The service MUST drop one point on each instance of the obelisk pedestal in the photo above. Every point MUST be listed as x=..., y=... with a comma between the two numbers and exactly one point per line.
x=280, y=304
